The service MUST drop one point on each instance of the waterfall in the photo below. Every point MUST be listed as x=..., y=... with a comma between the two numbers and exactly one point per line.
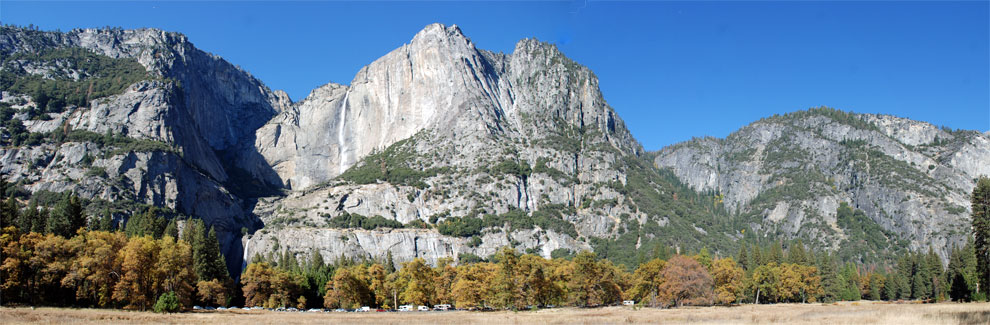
x=340, y=133
x=245, y=261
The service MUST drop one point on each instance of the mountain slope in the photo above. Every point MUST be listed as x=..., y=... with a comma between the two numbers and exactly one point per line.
x=787, y=175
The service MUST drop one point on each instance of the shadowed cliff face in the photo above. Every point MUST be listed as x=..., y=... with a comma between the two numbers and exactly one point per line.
x=200, y=107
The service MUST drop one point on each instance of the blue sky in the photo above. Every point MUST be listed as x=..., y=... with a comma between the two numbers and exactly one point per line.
x=673, y=70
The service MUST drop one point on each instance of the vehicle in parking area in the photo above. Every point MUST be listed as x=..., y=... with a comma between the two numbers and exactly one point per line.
x=340, y=310
x=406, y=308
x=423, y=308
x=442, y=307
x=363, y=309
x=314, y=310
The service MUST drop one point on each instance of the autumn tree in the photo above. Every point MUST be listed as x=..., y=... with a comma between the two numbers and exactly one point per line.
x=444, y=275
x=212, y=292
x=472, y=285
x=537, y=285
x=377, y=279
x=685, y=282
x=507, y=291
x=727, y=277
x=172, y=270
x=646, y=282
x=95, y=270
x=766, y=281
x=258, y=283
x=415, y=282
x=137, y=285
x=348, y=289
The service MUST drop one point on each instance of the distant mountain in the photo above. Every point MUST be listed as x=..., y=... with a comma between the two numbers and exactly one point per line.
x=442, y=149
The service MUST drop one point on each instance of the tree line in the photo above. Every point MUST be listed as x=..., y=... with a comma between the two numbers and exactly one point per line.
x=153, y=263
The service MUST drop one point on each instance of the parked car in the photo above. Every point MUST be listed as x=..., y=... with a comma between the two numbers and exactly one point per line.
x=314, y=310
x=442, y=307
x=406, y=308
x=340, y=310
x=423, y=308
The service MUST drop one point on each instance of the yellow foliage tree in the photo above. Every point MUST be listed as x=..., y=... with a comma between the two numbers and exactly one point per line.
x=727, y=276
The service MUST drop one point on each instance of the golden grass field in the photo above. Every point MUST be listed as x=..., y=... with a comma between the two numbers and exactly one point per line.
x=864, y=312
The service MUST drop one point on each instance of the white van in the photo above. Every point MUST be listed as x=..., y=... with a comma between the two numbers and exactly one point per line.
x=406, y=308
x=423, y=308
x=441, y=307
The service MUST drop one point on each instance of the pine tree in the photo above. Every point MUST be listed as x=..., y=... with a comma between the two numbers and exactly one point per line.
x=776, y=253
x=796, y=254
x=389, y=263
x=830, y=277
x=935, y=274
x=27, y=218
x=172, y=229
x=742, y=257
x=66, y=218
x=981, y=231
x=9, y=213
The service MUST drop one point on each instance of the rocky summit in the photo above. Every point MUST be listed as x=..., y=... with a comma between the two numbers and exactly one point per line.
x=440, y=149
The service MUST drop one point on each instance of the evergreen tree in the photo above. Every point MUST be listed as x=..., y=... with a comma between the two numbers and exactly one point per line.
x=981, y=231
x=27, y=218
x=875, y=287
x=935, y=274
x=172, y=229
x=796, y=254
x=66, y=218
x=106, y=221
x=830, y=277
x=9, y=213
x=389, y=264
x=742, y=257
x=776, y=253
x=40, y=223
x=209, y=263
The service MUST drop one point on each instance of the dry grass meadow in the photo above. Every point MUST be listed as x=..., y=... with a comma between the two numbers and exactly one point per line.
x=842, y=313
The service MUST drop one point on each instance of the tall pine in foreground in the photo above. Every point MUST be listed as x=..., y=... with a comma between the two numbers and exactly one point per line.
x=981, y=231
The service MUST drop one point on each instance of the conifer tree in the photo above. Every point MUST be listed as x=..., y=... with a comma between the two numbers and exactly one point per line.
x=981, y=231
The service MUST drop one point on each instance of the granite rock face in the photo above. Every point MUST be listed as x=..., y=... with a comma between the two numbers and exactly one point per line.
x=200, y=107
x=790, y=172
x=448, y=106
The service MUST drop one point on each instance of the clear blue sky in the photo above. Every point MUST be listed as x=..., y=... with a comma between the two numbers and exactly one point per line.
x=672, y=70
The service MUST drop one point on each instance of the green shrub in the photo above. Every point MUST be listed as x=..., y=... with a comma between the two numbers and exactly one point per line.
x=167, y=303
x=354, y=220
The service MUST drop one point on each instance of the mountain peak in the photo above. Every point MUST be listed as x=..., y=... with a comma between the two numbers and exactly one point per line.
x=440, y=33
